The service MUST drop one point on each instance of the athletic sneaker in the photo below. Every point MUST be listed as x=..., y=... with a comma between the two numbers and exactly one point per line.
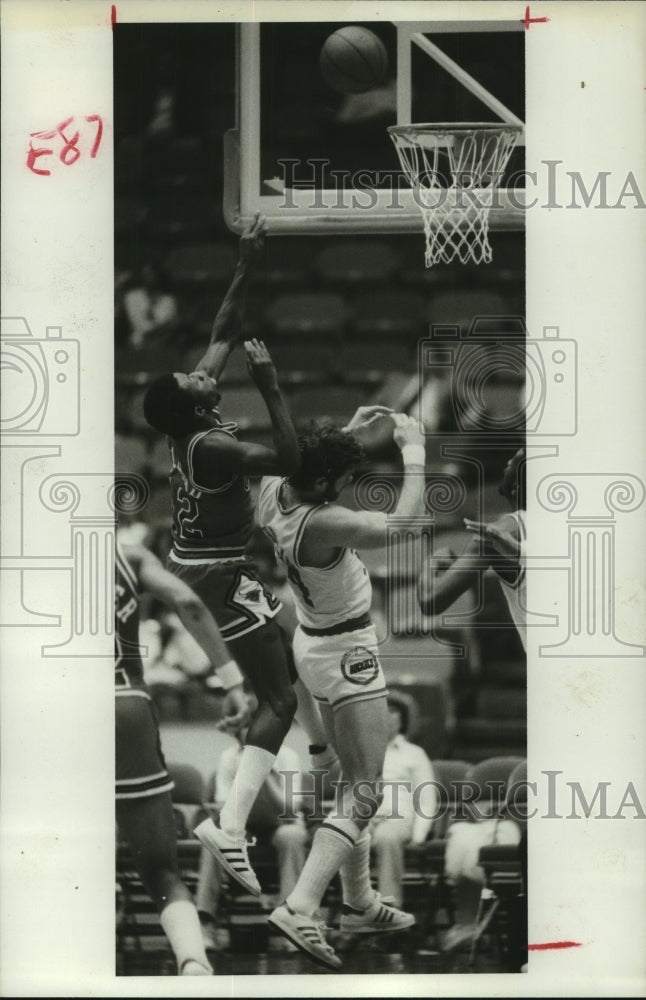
x=230, y=852
x=382, y=915
x=306, y=933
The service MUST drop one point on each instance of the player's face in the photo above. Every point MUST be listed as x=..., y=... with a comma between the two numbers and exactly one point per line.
x=201, y=388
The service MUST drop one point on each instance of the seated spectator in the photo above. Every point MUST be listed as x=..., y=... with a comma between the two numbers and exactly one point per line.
x=398, y=822
x=150, y=308
x=290, y=839
x=466, y=876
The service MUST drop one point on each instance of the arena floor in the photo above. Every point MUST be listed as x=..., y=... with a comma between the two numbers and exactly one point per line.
x=369, y=957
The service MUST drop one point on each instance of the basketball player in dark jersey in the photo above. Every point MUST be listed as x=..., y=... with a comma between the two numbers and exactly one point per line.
x=143, y=787
x=212, y=522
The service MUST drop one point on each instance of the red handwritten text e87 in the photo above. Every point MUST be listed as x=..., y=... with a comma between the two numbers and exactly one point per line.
x=65, y=143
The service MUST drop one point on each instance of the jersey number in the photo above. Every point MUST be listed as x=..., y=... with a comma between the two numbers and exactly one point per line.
x=186, y=513
x=293, y=575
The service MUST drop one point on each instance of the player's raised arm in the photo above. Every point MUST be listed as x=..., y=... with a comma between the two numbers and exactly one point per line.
x=337, y=526
x=445, y=577
x=195, y=617
x=263, y=372
x=227, y=326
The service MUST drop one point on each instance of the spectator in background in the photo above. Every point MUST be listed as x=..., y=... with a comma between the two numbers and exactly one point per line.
x=397, y=823
x=466, y=876
x=289, y=839
x=150, y=307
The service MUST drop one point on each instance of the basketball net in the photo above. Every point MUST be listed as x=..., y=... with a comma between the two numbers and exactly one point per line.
x=454, y=170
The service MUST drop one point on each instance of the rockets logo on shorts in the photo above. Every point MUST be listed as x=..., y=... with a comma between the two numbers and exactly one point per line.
x=359, y=666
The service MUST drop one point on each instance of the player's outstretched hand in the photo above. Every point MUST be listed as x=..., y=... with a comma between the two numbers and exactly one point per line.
x=366, y=416
x=237, y=713
x=260, y=366
x=407, y=430
x=252, y=240
x=499, y=538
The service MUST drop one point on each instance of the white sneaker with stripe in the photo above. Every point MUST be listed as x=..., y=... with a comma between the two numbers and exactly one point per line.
x=230, y=852
x=306, y=933
x=381, y=916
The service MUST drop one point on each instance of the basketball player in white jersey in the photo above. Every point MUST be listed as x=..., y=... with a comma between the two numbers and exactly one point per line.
x=499, y=545
x=335, y=650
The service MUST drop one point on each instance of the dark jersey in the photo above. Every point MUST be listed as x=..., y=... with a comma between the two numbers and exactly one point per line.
x=208, y=523
x=128, y=667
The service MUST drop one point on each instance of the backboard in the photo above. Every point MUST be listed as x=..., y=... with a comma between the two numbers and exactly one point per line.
x=316, y=161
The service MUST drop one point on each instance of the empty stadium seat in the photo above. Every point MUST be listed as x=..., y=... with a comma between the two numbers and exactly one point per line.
x=147, y=360
x=307, y=313
x=460, y=306
x=179, y=214
x=335, y=403
x=285, y=262
x=490, y=778
x=304, y=354
x=399, y=314
x=381, y=353
x=202, y=262
x=356, y=261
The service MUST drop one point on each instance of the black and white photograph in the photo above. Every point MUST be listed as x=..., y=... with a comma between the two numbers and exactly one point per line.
x=322, y=422
x=323, y=345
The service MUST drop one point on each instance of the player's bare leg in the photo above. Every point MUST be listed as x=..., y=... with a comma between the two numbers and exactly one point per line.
x=323, y=755
x=148, y=826
x=359, y=732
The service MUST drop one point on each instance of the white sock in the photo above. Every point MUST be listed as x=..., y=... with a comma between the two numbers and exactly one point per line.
x=255, y=765
x=332, y=843
x=355, y=875
x=182, y=928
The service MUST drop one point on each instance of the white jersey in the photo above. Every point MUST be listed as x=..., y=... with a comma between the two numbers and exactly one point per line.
x=324, y=596
x=516, y=593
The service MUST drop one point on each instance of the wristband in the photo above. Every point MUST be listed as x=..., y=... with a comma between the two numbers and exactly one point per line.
x=414, y=454
x=229, y=675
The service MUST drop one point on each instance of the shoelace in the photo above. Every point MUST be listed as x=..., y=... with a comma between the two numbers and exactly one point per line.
x=320, y=929
x=247, y=844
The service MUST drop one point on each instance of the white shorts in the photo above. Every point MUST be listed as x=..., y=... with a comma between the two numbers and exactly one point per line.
x=340, y=669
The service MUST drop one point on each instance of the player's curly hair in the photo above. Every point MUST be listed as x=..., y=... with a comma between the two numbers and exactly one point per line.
x=168, y=408
x=325, y=452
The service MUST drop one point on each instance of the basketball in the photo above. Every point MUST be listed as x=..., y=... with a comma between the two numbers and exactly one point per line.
x=353, y=60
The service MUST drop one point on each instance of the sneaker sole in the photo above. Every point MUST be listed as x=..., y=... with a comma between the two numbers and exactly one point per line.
x=303, y=948
x=376, y=928
x=254, y=890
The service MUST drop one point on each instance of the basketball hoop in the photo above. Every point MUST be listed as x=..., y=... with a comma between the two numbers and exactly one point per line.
x=454, y=170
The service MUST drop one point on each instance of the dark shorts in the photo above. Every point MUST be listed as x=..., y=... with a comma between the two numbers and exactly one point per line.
x=233, y=592
x=140, y=766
